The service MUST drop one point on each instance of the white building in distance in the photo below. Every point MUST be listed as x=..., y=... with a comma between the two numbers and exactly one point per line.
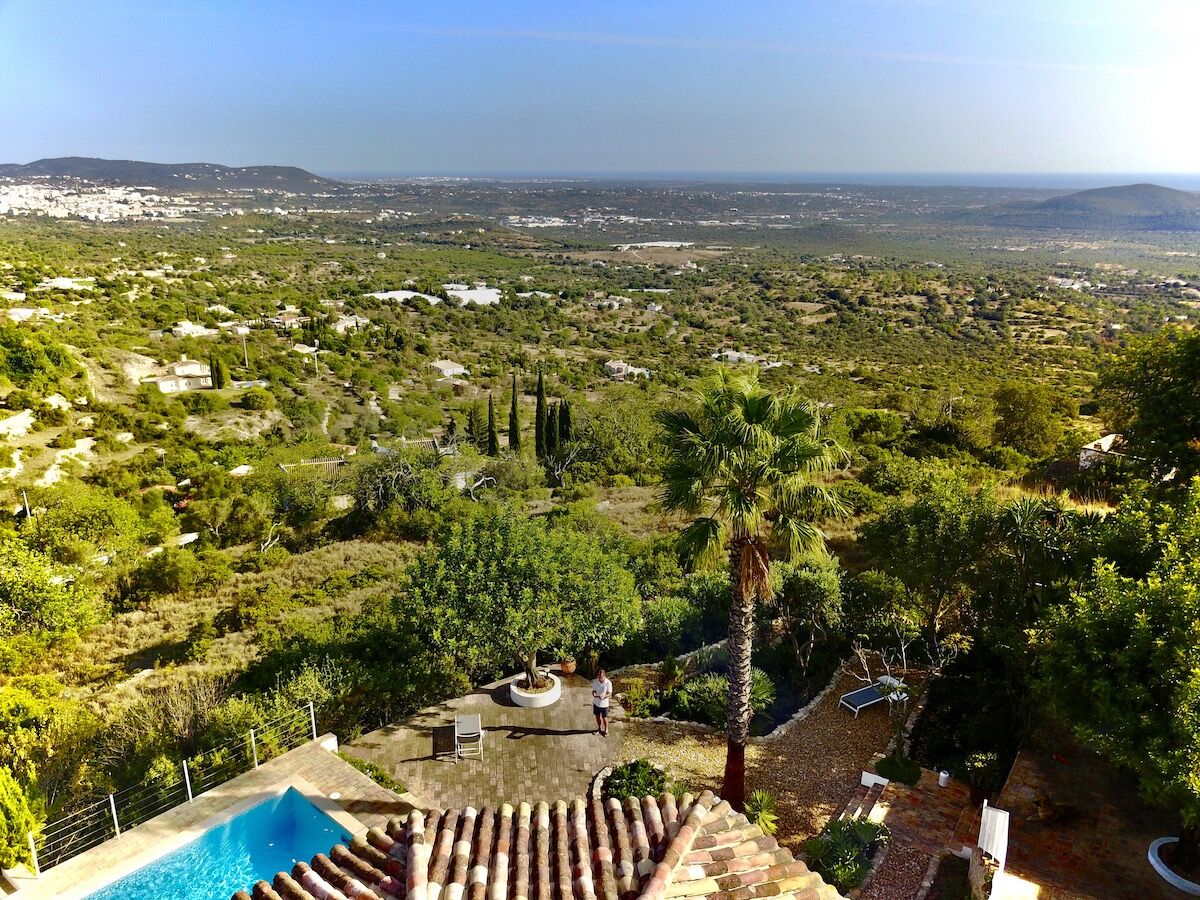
x=185, y=375
x=447, y=368
x=191, y=329
x=622, y=371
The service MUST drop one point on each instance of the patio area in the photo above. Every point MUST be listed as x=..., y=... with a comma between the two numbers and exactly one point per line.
x=529, y=754
x=1079, y=830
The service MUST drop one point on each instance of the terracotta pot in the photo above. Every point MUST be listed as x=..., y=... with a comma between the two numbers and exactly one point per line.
x=568, y=666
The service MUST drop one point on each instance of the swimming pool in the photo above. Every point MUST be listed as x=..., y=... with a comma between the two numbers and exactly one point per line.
x=267, y=838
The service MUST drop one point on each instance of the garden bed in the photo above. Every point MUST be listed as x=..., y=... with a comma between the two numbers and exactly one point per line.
x=971, y=725
x=694, y=691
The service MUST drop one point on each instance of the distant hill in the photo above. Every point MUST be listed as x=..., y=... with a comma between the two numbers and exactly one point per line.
x=172, y=176
x=1131, y=207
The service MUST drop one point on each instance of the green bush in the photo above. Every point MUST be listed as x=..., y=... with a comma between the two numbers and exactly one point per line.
x=899, y=768
x=641, y=700
x=760, y=810
x=705, y=698
x=638, y=778
x=375, y=772
x=257, y=399
x=670, y=626
x=841, y=854
x=16, y=821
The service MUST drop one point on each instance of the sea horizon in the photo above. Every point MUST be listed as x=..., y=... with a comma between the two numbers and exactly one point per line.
x=999, y=180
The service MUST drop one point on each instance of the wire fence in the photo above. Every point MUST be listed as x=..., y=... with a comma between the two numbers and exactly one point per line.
x=97, y=822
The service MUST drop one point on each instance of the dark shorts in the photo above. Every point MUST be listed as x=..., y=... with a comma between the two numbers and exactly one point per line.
x=601, y=711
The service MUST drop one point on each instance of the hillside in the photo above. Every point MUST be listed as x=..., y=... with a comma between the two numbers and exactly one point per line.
x=171, y=176
x=1132, y=207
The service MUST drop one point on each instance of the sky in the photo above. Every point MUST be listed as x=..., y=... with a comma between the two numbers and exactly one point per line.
x=575, y=86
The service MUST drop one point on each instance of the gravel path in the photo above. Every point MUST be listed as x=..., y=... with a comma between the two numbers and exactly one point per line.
x=812, y=770
x=900, y=875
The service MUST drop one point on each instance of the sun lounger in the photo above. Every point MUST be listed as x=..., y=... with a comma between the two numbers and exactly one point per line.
x=882, y=689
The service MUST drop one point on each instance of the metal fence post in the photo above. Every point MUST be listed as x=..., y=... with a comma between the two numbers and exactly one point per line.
x=312, y=717
x=254, y=747
x=112, y=804
x=187, y=780
x=37, y=872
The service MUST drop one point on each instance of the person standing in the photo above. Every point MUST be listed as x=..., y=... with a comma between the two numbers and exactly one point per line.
x=602, y=690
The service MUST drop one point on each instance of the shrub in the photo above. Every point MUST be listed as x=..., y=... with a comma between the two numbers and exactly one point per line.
x=670, y=625
x=841, y=854
x=199, y=641
x=16, y=821
x=257, y=399
x=376, y=773
x=899, y=768
x=760, y=810
x=982, y=770
x=859, y=498
x=639, y=778
x=641, y=700
x=705, y=697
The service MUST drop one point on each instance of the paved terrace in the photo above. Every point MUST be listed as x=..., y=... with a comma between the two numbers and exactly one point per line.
x=529, y=754
x=313, y=770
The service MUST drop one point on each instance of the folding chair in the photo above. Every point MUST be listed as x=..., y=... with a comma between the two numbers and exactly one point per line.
x=468, y=737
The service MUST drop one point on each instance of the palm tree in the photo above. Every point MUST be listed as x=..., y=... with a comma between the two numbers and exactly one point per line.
x=741, y=463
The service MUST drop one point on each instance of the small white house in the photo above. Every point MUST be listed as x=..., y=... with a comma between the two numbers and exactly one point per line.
x=622, y=371
x=447, y=368
x=349, y=322
x=185, y=375
x=1107, y=447
x=191, y=329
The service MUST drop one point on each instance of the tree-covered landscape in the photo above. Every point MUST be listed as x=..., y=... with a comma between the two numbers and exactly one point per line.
x=869, y=451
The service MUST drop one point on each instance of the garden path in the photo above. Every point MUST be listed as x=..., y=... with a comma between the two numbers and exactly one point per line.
x=529, y=754
x=812, y=770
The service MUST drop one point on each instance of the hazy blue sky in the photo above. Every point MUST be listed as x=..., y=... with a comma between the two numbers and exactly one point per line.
x=574, y=85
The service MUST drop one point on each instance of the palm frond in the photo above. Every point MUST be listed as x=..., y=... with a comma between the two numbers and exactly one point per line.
x=702, y=542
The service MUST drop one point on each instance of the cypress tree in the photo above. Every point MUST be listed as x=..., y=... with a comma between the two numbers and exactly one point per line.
x=476, y=428
x=218, y=370
x=539, y=419
x=493, y=436
x=514, y=421
x=564, y=423
x=552, y=431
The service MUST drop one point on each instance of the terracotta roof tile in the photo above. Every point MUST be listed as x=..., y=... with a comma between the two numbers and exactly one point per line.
x=652, y=849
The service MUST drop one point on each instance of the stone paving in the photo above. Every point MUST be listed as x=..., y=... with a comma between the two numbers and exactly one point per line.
x=529, y=754
x=922, y=816
x=1077, y=828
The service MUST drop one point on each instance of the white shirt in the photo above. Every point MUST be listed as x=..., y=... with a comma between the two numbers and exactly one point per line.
x=601, y=691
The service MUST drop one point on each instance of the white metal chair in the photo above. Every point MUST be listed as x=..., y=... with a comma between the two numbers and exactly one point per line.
x=468, y=737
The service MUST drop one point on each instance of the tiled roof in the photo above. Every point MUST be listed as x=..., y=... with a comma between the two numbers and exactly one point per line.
x=584, y=850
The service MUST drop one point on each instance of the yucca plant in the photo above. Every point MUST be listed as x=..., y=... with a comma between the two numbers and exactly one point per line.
x=760, y=810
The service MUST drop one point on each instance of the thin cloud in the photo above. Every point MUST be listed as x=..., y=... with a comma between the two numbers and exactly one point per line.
x=615, y=39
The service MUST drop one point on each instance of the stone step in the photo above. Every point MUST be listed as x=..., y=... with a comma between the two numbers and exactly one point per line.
x=854, y=804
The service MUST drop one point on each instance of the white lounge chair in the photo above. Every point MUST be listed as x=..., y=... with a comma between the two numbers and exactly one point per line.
x=884, y=688
x=468, y=737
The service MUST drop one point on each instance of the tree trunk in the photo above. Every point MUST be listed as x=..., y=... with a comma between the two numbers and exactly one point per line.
x=1185, y=855
x=739, y=645
x=530, y=662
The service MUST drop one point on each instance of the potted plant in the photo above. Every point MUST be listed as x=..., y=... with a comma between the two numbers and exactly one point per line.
x=567, y=664
x=982, y=771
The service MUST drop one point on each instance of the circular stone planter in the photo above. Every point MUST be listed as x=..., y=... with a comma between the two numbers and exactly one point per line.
x=535, y=699
x=1164, y=871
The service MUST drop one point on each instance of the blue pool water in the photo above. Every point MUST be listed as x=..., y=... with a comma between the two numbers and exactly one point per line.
x=265, y=839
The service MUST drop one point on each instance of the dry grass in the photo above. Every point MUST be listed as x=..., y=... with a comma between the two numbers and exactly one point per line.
x=129, y=650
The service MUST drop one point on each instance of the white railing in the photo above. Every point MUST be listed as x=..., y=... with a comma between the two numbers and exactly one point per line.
x=108, y=818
